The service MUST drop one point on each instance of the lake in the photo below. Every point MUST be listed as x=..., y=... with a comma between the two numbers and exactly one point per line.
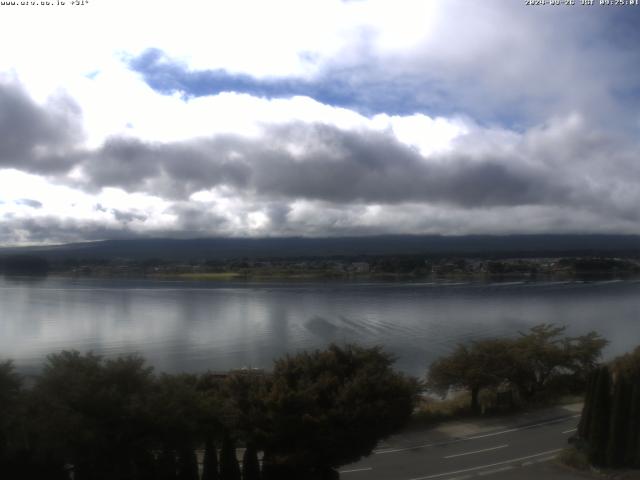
x=191, y=326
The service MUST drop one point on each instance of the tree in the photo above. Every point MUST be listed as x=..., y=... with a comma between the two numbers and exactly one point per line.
x=187, y=464
x=629, y=365
x=329, y=408
x=632, y=456
x=599, y=425
x=532, y=363
x=10, y=390
x=537, y=356
x=481, y=364
x=609, y=429
x=210, y=461
x=229, y=468
x=616, y=446
x=243, y=409
x=250, y=464
x=174, y=407
x=10, y=413
x=583, y=353
x=25, y=265
x=167, y=465
x=211, y=413
x=91, y=413
x=587, y=409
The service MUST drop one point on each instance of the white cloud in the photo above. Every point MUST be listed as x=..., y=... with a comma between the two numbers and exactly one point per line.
x=428, y=135
x=505, y=97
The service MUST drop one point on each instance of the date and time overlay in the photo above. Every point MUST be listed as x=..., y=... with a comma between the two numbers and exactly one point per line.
x=584, y=3
x=569, y=3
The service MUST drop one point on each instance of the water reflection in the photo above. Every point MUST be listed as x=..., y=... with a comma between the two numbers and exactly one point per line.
x=193, y=327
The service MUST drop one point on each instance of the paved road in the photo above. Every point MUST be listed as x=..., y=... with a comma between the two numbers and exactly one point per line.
x=444, y=454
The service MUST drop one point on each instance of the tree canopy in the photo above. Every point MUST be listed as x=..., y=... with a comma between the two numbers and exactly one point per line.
x=98, y=419
x=481, y=364
x=329, y=408
x=609, y=429
x=529, y=363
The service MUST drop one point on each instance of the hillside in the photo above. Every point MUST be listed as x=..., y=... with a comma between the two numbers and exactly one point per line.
x=486, y=246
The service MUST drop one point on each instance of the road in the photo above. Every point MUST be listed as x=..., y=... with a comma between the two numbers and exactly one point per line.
x=445, y=454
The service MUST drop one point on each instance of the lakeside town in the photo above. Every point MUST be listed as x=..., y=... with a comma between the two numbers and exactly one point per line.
x=382, y=267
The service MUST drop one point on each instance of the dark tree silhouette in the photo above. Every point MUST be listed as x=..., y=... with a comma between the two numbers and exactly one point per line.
x=250, y=464
x=210, y=461
x=585, y=418
x=616, y=446
x=329, y=408
x=91, y=413
x=229, y=468
x=24, y=265
x=94, y=419
x=530, y=363
x=632, y=456
x=167, y=465
x=609, y=429
x=187, y=464
x=481, y=364
x=600, y=414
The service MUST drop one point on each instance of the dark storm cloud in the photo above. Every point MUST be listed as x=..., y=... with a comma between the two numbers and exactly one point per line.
x=34, y=138
x=126, y=217
x=319, y=162
x=194, y=217
x=278, y=213
x=174, y=169
x=569, y=163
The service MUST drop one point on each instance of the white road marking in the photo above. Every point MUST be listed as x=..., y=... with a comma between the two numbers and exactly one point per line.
x=497, y=470
x=365, y=469
x=477, y=451
x=544, y=459
x=482, y=467
x=570, y=430
x=475, y=437
x=550, y=422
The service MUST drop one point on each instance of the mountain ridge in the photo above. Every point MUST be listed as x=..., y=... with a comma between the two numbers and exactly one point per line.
x=532, y=245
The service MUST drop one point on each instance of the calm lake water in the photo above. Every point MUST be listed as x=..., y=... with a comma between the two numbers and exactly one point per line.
x=182, y=326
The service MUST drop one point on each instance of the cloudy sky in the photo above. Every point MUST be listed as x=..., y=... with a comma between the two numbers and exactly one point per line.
x=317, y=118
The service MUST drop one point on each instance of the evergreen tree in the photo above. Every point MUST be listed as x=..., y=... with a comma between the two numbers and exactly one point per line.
x=269, y=471
x=210, y=462
x=10, y=401
x=35, y=467
x=250, y=464
x=616, y=446
x=144, y=465
x=632, y=455
x=167, y=467
x=272, y=470
x=599, y=425
x=187, y=464
x=229, y=468
x=587, y=409
x=330, y=474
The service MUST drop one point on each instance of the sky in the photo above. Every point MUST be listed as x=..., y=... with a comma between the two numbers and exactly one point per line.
x=203, y=118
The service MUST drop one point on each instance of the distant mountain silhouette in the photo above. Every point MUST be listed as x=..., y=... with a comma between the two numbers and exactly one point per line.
x=296, y=247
